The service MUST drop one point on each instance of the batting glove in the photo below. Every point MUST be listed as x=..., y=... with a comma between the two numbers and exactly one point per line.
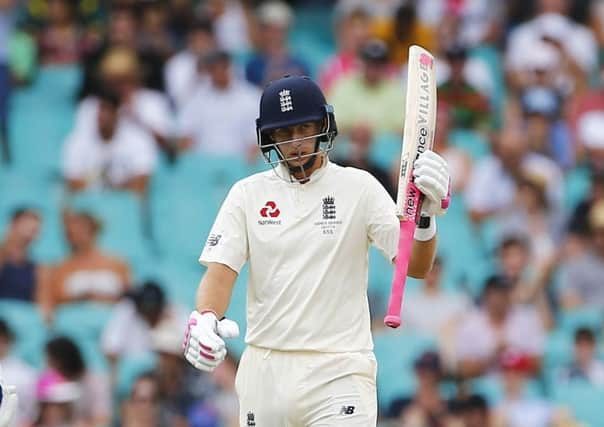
x=431, y=175
x=8, y=403
x=204, y=346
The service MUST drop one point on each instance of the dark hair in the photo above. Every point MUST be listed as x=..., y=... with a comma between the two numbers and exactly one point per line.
x=496, y=283
x=203, y=25
x=149, y=298
x=472, y=402
x=109, y=96
x=584, y=334
x=6, y=331
x=513, y=240
x=66, y=357
x=23, y=211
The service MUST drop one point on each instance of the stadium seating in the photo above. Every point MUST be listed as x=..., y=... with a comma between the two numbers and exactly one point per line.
x=583, y=399
x=396, y=351
x=29, y=328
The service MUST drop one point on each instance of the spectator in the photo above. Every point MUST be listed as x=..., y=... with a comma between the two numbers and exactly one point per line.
x=516, y=408
x=141, y=409
x=181, y=387
x=585, y=112
x=403, y=30
x=19, y=374
x=547, y=133
x=230, y=19
x=183, y=72
x=143, y=309
x=446, y=307
x=496, y=326
x=528, y=274
x=383, y=99
x=123, y=31
x=468, y=107
x=154, y=36
x=88, y=274
x=578, y=225
x=426, y=407
x=121, y=73
x=552, y=31
x=93, y=406
x=220, y=116
x=359, y=157
x=470, y=411
x=63, y=41
x=111, y=152
x=222, y=405
x=57, y=397
x=591, y=136
x=20, y=275
x=531, y=214
x=273, y=59
x=585, y=365
x=491, y=189
x=581, y=277
x=352, y=32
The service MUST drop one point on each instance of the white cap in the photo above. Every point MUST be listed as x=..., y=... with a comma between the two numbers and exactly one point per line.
x=275, y=13
x=591, y=129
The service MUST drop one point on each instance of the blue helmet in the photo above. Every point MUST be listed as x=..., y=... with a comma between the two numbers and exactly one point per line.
x=289, y=101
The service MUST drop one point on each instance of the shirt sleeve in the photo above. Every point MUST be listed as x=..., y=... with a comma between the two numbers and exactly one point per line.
x=73, y=166
x=144, y=160
x=228, y=243
x=383, y=226
x=114, y=334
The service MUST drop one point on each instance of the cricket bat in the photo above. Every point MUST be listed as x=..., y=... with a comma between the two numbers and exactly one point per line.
x=418, y=136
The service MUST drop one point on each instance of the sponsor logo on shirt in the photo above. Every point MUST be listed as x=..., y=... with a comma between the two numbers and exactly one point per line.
x=285, y=100
x=270, y=210
x=213, y=239
x=347, y=410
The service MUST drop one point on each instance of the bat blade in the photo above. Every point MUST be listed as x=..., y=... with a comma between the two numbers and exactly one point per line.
x=418, y=136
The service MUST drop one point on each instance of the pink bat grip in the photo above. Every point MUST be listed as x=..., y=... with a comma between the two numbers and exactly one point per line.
x=405, y=244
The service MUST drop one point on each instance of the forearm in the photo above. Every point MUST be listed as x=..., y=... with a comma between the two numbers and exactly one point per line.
x=215, y=289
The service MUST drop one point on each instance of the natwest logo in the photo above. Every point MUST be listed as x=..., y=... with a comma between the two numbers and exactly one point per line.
x=270, y=210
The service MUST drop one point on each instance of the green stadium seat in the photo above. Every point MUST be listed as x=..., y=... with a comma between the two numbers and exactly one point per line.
x=81, y=321
x=396, y=351
x=29, y=328
x=472, y=142
x=583, y=399
x=571, y=320
x=129, y=368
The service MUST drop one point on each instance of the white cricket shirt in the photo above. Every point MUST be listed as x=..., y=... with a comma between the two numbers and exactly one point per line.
x=307, y=246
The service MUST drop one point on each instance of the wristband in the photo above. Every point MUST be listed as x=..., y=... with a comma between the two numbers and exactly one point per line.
x=426, y=229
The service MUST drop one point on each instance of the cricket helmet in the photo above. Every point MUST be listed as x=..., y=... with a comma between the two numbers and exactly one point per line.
x=289, y=101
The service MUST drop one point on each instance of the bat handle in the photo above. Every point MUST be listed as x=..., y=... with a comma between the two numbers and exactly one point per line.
x=405, y=244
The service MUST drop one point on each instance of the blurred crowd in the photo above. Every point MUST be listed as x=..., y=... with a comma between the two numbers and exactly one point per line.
x=520, y=122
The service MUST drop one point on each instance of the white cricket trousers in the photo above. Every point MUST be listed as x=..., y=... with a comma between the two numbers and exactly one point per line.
x=306, y=389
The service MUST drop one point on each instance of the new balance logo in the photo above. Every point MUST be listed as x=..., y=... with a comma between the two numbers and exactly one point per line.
x=285, y=100
x=347, y=410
